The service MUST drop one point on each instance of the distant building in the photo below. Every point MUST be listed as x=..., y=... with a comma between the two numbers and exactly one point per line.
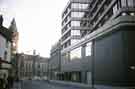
x=25, y=66
x=41, y=67
x=30, y=66
x=15, y=36
x=55, y=61
x=14, y=46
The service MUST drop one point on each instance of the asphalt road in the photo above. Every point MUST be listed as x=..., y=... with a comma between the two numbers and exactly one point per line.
x=39, y=84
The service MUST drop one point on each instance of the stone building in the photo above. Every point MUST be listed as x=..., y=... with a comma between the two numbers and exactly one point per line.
x=41, y=67
x=31, y=66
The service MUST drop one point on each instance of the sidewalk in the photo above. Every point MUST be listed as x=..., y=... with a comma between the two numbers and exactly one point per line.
x=71, y=84
x=86, y=86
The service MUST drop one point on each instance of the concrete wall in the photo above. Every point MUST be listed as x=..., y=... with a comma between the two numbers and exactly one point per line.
x=114, y=55
x=129, y=48
x=108, y=60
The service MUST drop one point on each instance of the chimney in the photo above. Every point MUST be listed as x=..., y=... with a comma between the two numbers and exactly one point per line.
x=1, y=20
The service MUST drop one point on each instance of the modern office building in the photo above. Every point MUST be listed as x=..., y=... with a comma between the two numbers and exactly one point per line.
x=71, y=18
x=104, y=56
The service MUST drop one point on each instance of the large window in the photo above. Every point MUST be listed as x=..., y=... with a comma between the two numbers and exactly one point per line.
x=75, y=32
x=115, y=9
x=131, y=3
x=127, y=3
x=75, y=54
x=88, y=49
x=79, y=6
x=123, y=3
x=75, y=23
x=77, y=14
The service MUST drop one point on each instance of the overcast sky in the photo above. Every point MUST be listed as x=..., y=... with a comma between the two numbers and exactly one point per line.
x=38, y=23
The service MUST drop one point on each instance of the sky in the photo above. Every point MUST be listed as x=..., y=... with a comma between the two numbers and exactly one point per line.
x=38, y=23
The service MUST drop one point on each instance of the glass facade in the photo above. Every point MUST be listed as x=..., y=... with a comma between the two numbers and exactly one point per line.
x=88, y=49
x=65, y=58
x=75, y=54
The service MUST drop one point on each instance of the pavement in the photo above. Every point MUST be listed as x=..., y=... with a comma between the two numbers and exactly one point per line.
x=41, y=84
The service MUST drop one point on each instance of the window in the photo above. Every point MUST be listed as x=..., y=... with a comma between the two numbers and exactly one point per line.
x=115, y=8
x=75, y=23
x=75, y=54
x=77, y=14
x=123, y=3
x=79, y=6
x=88, y=49
x=130, y=3
x=75, y=32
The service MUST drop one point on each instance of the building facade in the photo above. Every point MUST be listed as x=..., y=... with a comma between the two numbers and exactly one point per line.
x=25, y=66
x=55, y=61
x=32, y=66
x=14, y=46
x=103, y=57
x=5, y=50
x=41, y=67
x=71, y=19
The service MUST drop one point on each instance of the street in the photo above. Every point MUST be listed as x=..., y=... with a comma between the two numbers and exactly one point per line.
x=40, y=84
